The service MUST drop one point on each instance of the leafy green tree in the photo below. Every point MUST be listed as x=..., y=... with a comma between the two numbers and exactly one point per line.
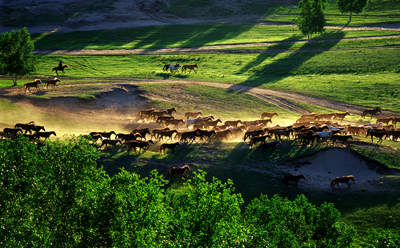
x=351, y=6
x=206, y=214
x=278, y=222
x=16, y=54
x=312, y=18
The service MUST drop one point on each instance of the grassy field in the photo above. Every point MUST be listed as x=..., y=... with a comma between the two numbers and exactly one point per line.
x=174, y=36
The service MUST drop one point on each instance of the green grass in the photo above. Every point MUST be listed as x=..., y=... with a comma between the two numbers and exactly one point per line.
x=173, y=36
x=362, y=77
x=377, y=11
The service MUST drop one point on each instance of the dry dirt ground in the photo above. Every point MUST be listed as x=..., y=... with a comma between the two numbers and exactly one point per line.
x=118, y=105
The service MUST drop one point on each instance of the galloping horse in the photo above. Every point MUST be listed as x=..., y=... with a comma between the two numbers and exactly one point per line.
x=190, y=67
x=33, y=84
x=292, y=178
x=371, y=112
x=193, y=114
x=172, y=146
x=344, y=179
x=267, y=114
x=59, y=69
x=53, y=82
x=172, y=68
x=178, y=170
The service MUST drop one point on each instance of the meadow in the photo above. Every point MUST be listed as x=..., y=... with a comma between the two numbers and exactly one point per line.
x=362, y=72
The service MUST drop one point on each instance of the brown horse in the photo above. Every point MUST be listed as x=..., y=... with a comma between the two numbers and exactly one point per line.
x=292, y=178
x=172, y=146
x=344, y=179
x=56, y=69
x=190, y=67
x=53, y=82
x=113, y=142
x=269, y=115
x=178, y=170
x=193, y=114
x=32, y=84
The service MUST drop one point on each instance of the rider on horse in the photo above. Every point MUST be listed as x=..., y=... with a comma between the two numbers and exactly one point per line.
x=60, y=65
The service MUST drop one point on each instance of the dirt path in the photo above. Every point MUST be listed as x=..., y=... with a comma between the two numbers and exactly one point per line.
x=279, y=98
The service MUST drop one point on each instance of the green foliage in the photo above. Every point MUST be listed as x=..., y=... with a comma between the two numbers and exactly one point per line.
x=312, y=18
x=206, y=214
x=56, y=196
x=351, y=6
x=16, y=54
x=383, y=239
x=278, y=222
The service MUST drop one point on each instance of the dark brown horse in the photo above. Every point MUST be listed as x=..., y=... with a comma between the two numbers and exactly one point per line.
x=344, y=179
x=56, y=69
x=292, y=178
x=172, y=146
x=32, y=84
x=190, y=67
x=178, y=170
x=371, y=112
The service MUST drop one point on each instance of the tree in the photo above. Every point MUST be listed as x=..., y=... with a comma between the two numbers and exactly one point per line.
x=16, y=54
x=312, y=18
x=350, y=6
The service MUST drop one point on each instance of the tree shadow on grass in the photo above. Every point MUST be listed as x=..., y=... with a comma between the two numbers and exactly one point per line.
x=280, y=66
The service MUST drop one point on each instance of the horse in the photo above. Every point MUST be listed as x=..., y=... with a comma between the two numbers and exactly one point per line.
x=32, y=84
x=171, y=110
x=58, y=68
x=377, y=133
x=27, y=127
x=256, y=139
x=142, y=132
x=53, y=82
x=190, y=67
x=344, y=179
x=178, y=170
x=172, y=146
x=341, y=115
x=145, y=112
x=251, y=134
x=193, y=114
x=162, y=134
x=271, y=145
x=172, y=68
x=269, y=115
x=44, y=135
x=191, y=135
x=12, y=131
x=174, y=122
x=292, y=178
x=113, y=142
x=105, y=134
x=139, y=144
x=206, y=133
x=371, y=112
x=343, y=138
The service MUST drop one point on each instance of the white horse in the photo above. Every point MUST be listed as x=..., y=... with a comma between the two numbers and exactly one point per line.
x=337, y=128
x=191, y=122
x=172, y=68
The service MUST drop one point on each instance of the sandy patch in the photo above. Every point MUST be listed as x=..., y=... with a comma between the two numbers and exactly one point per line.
x=321, y=167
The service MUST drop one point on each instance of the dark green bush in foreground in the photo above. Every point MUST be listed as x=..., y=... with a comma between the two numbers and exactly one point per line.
x=56, y=196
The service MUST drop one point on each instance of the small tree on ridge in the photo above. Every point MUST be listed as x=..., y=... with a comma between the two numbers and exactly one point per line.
x=312, y=18
x=351, y=6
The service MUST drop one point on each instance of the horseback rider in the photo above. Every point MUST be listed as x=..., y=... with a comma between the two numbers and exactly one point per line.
x=60, y=65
